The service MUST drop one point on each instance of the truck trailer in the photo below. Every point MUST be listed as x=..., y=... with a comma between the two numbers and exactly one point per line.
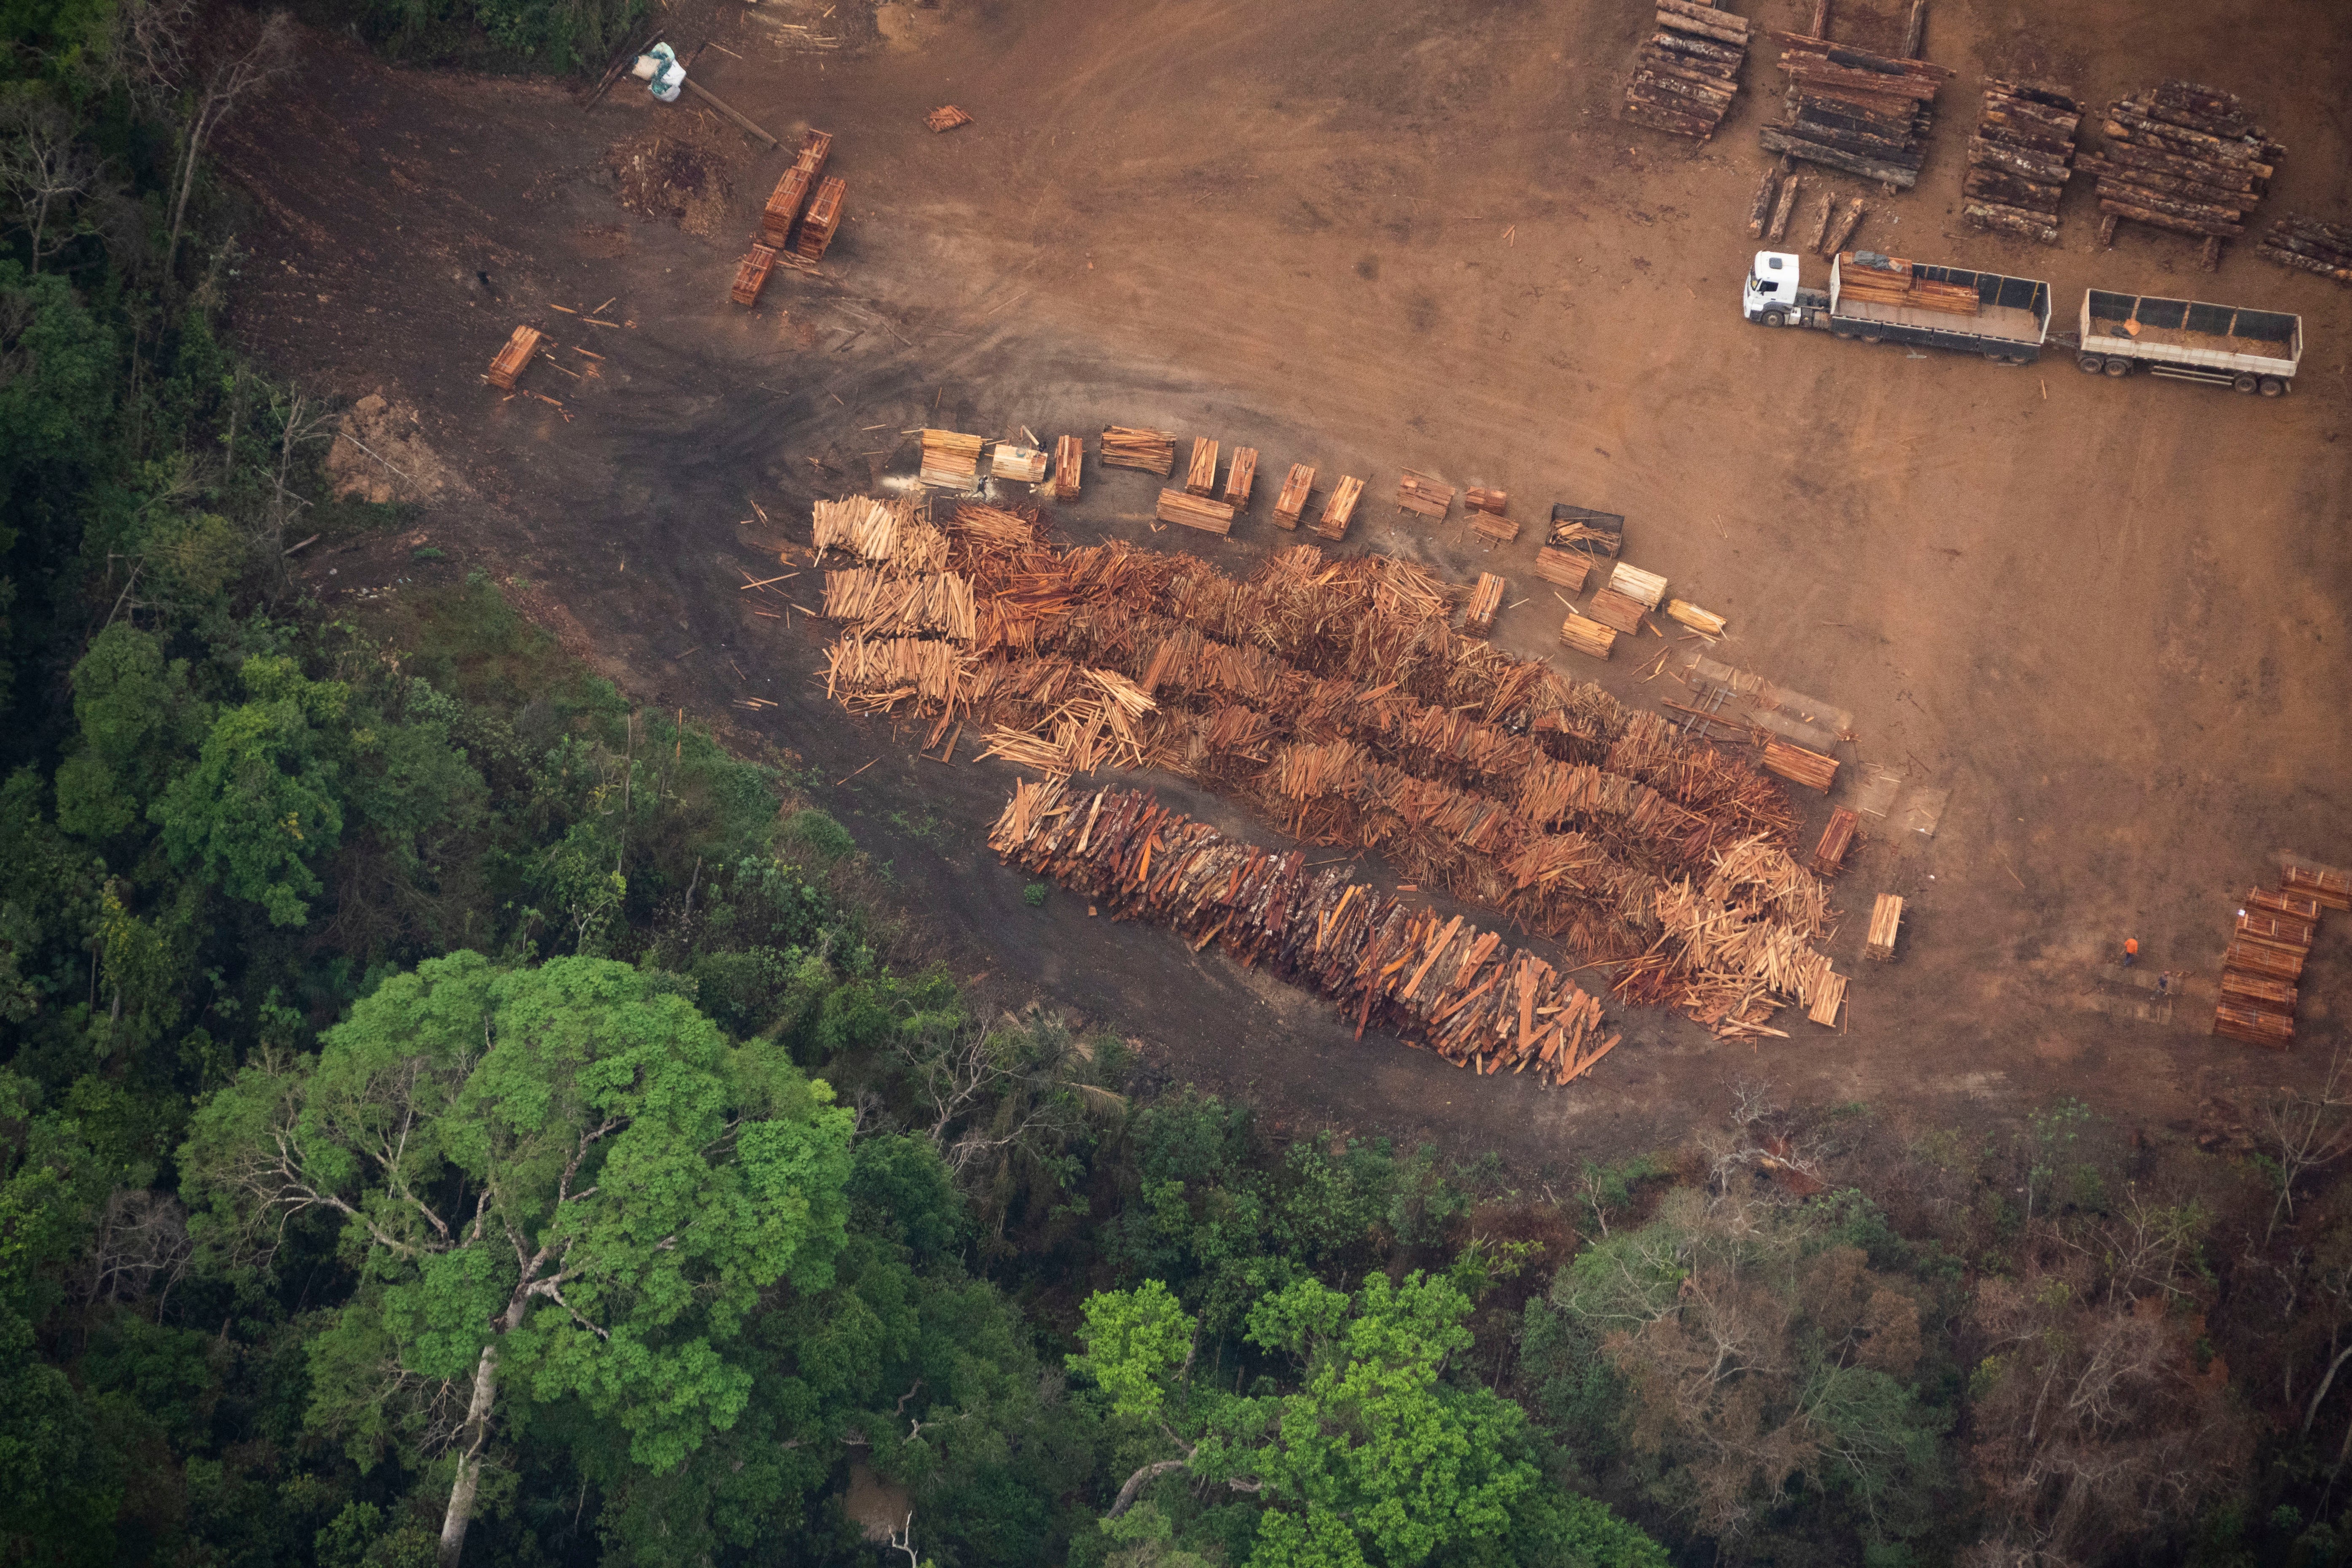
x=2252, y=350
x=1884, y=299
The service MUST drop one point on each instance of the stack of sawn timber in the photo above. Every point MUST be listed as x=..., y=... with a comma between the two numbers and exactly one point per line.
x=1686, y=75
x=1435, y=982
x=2183, y=157
x=1854, y=111
x=2308, y=245
x=2270, y=942
x=2020, y=159
x=1868, y=277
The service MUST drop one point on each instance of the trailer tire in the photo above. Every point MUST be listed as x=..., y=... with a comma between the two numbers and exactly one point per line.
x=2273, y=387
x=1776, y=318
x=2090, y=364
x=2243, y=382
x=2117, y=366
x=1868, y=339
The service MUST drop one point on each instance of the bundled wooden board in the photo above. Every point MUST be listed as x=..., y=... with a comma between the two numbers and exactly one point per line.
x=509, y=361
x=1707, y=622
x=2255, y=958
x=2278, y=900
x=752, y=275
x=1241, y=475
x=1800, y=766
x=2259, y=992
x=2275, y=929
x=1129, y=446
x=2308, y=245
x=1025, y=464
x=1424, y=495
x=1885, y=922
x=1615, y=611
x=1872, y=278
x=2020, y=159
x=815, y=148
x=1837, y=840
x=1069, y=460
x=1494, y=528
x=1341, y=509
x=1290, y=501
x=1574, y=528
x=2254, y=1026
x=1486, y=599
x=1196, y=512
x=1849, y=110
x=1477, y=497
x=783, y=209
x=946, y=118
x=1565, y=567
x=2183, y=157
x=1686, y=73
x=2328, y=887
x=952, y=459
x=822, y=220
x=1644, y=588
x=1828, y=997
x=1201, y=474
x=1588, y=636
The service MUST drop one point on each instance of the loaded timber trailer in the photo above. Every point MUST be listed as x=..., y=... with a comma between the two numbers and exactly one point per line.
x=1884, y=299
x=2222, y=345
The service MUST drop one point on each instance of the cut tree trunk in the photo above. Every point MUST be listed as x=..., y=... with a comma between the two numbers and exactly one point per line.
x=468, y=1482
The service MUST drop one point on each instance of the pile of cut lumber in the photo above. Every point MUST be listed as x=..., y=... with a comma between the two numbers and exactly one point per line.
x=952, y=459
x=1687, y=73
x=1644, y=588
x=1587, y=635
x=751, y=276
x=1201, y=474
x=1885, y=921
x=1487, y=519
x=1596, y=533
x=1011, y=461
x=2186, y=158
x=1854, y=111
x=822, y=220
x=1240, y=476
x=1435, y=982
x=1874, y=279
x=1615, y=611
x=1341, y=509
x=1125, y=447
x=1069, y=460
x=1290, y=501
x=874, y=530
x=946, y=117
x=1424, y=494
x=1800, y=766
x=1705, y=623
x=1837, y=840
x=791, y=192
x=2308, y=245
x=2020, y=159
x=520, y=345
x=2269, y=943
x=1196, y=512
x=1485, y=601
x=1565, y=567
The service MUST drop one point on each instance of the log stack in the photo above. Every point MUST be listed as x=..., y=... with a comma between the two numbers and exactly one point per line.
x=1686, y=73
x=1290, y=501
x=2308, y=245
x=2186, y=158
x=1587, y=635
x=2021, y=159
x=952, y=459
x=1341, y=509
x=792, y=191
x=508, y=364
x=1849, y=108
x=1837, y=841
x=1800, y=766
x=1128, y=447
x=1872, y=278
x=2270, y=941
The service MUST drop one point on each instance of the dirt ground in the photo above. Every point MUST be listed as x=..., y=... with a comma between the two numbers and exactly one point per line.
x=2108, y=617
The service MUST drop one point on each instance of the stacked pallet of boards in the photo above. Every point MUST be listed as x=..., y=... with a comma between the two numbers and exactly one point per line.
x=2270, y=941
x=1851, y=110
x=2183, y=157
x=1686, y=75
x=520, y=345
x=1579, y=537
x=2020, y=159
x=1869, y=278
x=2308, y=245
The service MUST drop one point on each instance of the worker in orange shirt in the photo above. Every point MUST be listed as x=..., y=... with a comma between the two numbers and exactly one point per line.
x=2131, y=951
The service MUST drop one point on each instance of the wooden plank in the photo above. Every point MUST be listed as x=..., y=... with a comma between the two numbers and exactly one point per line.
x=2332, y=887
x=1291, y=499
x=2254, y=1026
x=2253, y=958
x=2302, y=906
x=1240, y=476
x=1707, y=622
x=2259, y=992
x=1587, y=635
x=1494, y=530
x=823, y=219
x=2277, y=930
x=1491, y=502
x=1341, y=509
x=752, y=275
x=1829, y=995
x=1201, y=474
x=1025, y=464
x=509, y=361
x=946, y=118
x=783, y=209
x=1885, y=923
x=1133, y=447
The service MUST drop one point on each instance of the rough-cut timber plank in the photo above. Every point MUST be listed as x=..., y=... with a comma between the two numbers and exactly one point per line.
x=1800, y=766
x=1291, y=499
x=1837, y=840
x=751, y=276
x=1486, y=599
x=1196, y=511
x=1341, y=509
x=1201, y=474
x=1240, y=476
x=1069, y=459
x=1567, y=568
x=1615, y=610
x=1587, y=635
x=1886, y=924
x=508, y=364
x=1424, y=494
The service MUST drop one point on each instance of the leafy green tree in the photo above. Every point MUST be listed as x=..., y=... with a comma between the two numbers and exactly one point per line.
x=562, y=1183
x=130, y=705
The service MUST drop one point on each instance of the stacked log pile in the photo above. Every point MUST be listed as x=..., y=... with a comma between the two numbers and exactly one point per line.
x=1435, y=982
x=1851, y=110
x=1125, y=447
x=2269, y=943
x=1686, y=73
x=2019, y=160
x=1336, y=700
x=878, y=531
x=2308, y=245
x=2183, y=157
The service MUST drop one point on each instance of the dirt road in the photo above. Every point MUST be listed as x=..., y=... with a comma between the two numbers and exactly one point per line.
x=2107, y=616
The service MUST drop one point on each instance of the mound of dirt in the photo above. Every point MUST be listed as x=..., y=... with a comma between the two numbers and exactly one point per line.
x=673, y=173
x=379, y=455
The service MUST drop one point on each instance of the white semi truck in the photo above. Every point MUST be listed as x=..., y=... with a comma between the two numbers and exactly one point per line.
x=2252, y=350
x=2009, y=325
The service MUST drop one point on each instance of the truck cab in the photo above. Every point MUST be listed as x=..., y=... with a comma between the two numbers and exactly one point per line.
x=1771, y=295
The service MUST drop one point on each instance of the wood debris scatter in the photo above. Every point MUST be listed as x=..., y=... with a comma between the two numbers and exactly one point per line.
x=1686, y=73
x=1435, y=982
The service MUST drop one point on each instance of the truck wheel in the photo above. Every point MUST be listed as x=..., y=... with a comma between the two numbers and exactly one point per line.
x=2243, y=382
x=2090, y=364
x=2117, y=366
x=1776, y=318
x=2271, y=386
x=1868, y=339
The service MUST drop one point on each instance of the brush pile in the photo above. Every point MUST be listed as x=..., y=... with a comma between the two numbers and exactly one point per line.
x=1436, y=983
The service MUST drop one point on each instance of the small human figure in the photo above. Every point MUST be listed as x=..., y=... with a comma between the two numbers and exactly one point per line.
x=2131, y=951
x=2163, y=984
